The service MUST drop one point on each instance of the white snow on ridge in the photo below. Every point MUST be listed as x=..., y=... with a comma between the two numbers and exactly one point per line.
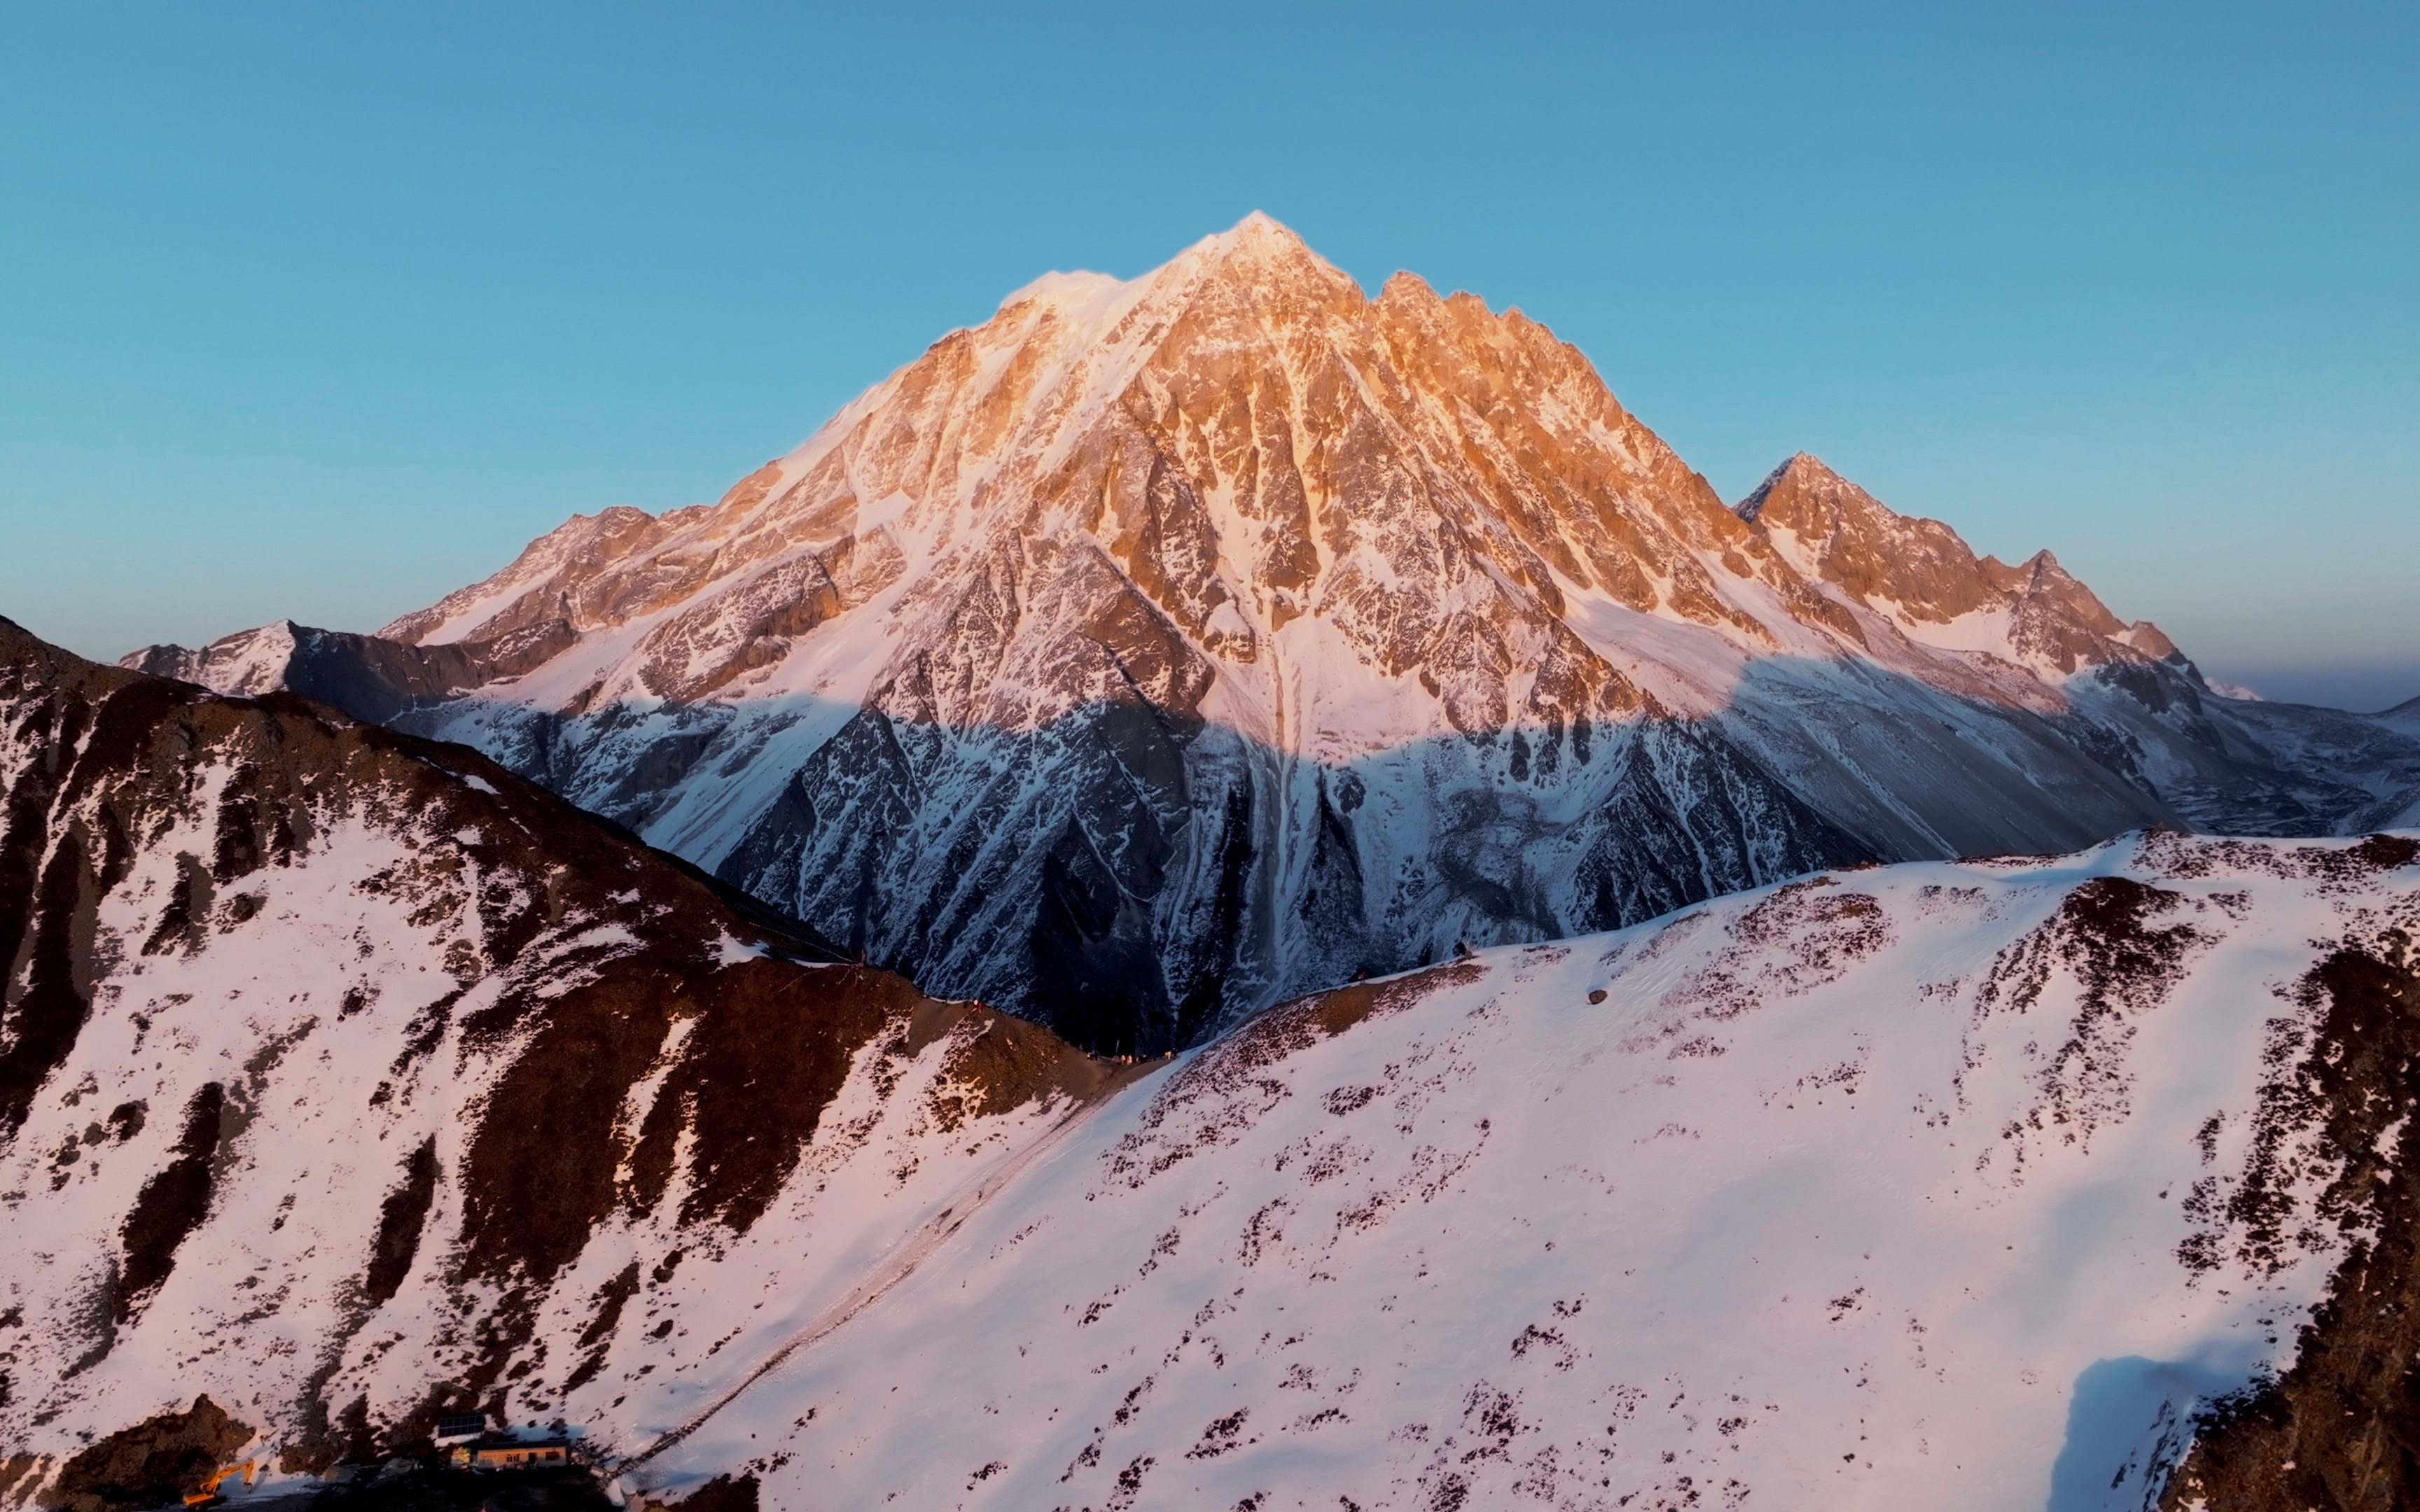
x=1810, y=1209
x=290, y=1003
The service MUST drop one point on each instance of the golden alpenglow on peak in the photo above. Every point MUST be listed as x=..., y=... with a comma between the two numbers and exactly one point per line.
x=1162, y=647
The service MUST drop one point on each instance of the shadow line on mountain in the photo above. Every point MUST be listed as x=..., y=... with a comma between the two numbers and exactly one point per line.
x=1139, y=877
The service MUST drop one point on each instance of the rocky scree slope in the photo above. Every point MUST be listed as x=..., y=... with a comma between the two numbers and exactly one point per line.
x=1159, y=648
x=347, y=1079
x=1988, y=1185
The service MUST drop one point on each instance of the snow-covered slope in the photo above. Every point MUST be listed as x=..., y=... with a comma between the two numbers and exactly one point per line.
x=1158, y=649
x=1930, y=1186
x=2405, y=715
x=2403, y=719
x=348, y=1079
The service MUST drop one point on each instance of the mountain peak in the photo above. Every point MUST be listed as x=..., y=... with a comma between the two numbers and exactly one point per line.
x=1870, y=551
x=1079, y=286
x=1259, y=253
x=1257, y=257
x=1255, y=238
x=1260, y=226
x=1789, y=490
x=1923, y=572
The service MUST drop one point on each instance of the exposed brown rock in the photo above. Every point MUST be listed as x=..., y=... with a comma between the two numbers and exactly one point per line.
x=1001, y=1063
x=171, y=1203
x=400, y=1221
x=2341, y=1428
x=156, y=1462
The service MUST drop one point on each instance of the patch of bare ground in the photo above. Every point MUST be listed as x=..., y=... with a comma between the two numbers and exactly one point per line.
x=2124, y=965
x=1000, y=1063
x=171, y=1204
x=723, y=1493
x=1220, y=1084
x=2336, y=867
x=156, y=1462
x=1795, y=939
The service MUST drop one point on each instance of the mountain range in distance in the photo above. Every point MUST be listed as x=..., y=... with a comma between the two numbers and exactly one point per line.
x=1223, y=893
x=1159, y=650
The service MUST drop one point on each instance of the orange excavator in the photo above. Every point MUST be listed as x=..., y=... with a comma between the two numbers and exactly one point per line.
x=210, y=1491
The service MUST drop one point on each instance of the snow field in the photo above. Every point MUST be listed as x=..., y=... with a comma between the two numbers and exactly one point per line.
x=1774, y=1217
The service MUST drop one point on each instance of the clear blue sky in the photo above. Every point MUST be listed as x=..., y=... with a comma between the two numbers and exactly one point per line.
x=323, y=310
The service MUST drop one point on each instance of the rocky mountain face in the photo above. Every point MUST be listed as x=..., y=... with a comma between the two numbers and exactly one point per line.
x=346, y=1079
x=1159, y=648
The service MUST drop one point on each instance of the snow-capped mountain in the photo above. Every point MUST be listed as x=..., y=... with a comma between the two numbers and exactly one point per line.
x=347, y=1079
x=1158, y=649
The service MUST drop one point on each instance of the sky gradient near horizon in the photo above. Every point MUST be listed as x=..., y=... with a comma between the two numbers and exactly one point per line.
x=323, y=312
